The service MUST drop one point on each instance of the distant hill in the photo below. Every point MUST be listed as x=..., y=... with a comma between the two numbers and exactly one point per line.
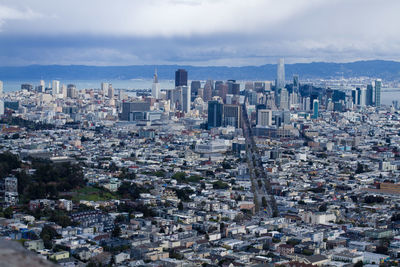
x=387, y=70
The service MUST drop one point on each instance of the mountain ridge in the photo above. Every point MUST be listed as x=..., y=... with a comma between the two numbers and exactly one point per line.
x=385, y=69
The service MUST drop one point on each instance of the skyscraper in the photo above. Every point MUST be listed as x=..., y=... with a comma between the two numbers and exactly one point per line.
x=207, y=93
x=1, y=88
x=155, y=88
x=104, y=88
x=55, y=87
x=185, y=96
x=369, y=101
x=264, y=117
x=110, y=92
x=280, y=78
x=378, y=87
x=194, y=87
x=284, y=99
x=181, y=77
x=315, y=109
x=296, y=84
x=363, y=95
x=215, y=112
x=232, y=115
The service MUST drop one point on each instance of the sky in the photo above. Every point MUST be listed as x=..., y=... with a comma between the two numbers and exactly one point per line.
x=196, y=32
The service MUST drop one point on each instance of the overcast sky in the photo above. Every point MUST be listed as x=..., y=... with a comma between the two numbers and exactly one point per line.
x=197, y=32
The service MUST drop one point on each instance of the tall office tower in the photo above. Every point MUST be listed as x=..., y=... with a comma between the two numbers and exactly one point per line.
x=296, y=84
x=378, y=87
x=232, y=115
x=363, y=97
x=155, y=87
x=264, y=117
x=194, y=87
x=1, y=88
x=306, y=103
x=222, y=90
x=71, y=91
x=284, y=99
x=315, y=109
x=185, y=98
x=27, y=86
x=293, y=100
x=207, y=93
x=181, y=77
x=370, y=95
x=42, y=83
x=64, y=90
x=55, y=87
x=104, y=88
x=354, y=96
x=358, y=95
x=110, y=92
x=215, y=113
x=280, y=77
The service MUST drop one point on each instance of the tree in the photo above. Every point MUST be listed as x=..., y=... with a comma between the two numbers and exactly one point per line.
x=116, y=231
x=264, y=201
x=8, y=213
x=47, y=235
x=180, y=206
x=358, y=264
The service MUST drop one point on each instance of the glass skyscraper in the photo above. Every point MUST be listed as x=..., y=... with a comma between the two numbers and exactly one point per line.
x=378, y=87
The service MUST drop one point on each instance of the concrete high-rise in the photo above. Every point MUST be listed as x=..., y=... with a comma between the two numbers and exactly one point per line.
x=378, y=87
x=284, y=99
x=208, y=88
x=194, y=87
x=55, y=87
x=110, y=92
x=155, y=88
x=1, y=88
x=185, y=98
x=104, y=88
x=264, y=117
x=280, y=77
x=181, y=77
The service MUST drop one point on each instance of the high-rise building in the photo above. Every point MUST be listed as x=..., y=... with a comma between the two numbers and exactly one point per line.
x=378, y=87
x=110, y=92
x=315, y=109
x=363, y=97
x=370, y=95
x=181, y=77
x=296, y=84
x=185, y=98
x=104, y=88
x=264, y=117
x=215, y=114
x=259, y=87
x=284, y=99
x=55, y=88
x=194, y=87
x=280, y=78
x=1, y=88
x=155, y=88
x=232, y=115
x=207, y=92
x=71, y=91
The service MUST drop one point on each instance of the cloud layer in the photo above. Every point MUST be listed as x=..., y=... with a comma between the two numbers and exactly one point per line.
x=199, y=32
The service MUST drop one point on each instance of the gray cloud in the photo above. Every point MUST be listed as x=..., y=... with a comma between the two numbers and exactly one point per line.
x=201, y=32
